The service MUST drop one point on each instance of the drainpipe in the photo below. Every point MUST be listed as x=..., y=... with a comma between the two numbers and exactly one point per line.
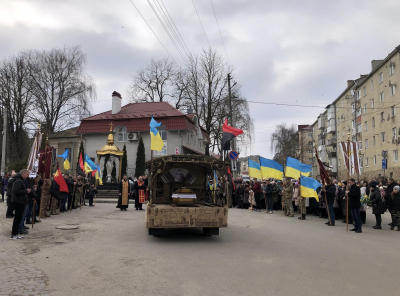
x=180, y=141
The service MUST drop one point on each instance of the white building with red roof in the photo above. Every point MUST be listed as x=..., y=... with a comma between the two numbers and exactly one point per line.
x=180, y=132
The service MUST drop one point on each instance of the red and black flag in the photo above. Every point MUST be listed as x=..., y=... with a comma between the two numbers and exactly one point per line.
x=81, y=164
x=45, y=157
x=229, y=133
x=230, y=179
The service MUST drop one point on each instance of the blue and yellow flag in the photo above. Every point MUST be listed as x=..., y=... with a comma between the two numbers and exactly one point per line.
x=215, y=180
x=254, y=170
x=295, y=168
x=89, y=165
x=308, y=187
x=98, y=175
x=65, y=157
x=271, y=169
x=156, y=142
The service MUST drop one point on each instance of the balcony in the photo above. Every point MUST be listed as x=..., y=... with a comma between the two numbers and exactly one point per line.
x=321, y=122
x=331, y=129
x=332, y=142
x=321, y=137
x=332, y=154
x=322, y=155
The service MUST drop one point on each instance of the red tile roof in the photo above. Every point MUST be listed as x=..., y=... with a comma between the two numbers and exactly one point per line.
x=136, y=117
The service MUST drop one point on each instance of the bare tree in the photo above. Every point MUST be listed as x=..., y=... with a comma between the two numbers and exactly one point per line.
x=284, y=142
x=61, y=87
x=153, y=84
x=16, y=95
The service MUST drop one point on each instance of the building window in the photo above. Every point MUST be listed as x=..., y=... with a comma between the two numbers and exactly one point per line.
x=122, y=134
x=360, y=161
x=382, y=117
x=164, y=135
x=353, y=108
x=365, y=126
x=380, y=78
x=366, y=161
x=374, y=159
x=353, y=124
x=366, y=143
x=310, y=143
x=365, y=108
x=364, y=91
x=372, y=84
x=394, y=133
x=381, y=97
x=395, y=155
x=358, y=111
x=393, y=111
x=372, y=104
x=373, y=140
x=310, y=135
x=339, y=161
x=373, y=121
x=359, y=128
x=391, y=69
x=383, y=137
x=393, y=89
x=358, y=94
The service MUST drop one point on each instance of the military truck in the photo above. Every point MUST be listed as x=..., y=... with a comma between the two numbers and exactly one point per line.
x=181, y=195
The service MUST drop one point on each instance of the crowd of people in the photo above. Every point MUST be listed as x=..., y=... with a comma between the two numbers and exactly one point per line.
x=29, y=199
x=333, y=199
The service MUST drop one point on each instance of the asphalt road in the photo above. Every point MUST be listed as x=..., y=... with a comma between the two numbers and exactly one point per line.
x=258, y=254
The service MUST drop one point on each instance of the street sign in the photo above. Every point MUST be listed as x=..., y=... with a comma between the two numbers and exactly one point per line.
x=234, y=165
x=384, y=164
x=233, y=155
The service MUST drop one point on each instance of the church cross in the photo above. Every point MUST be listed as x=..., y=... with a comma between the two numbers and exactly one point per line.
x=111, y=125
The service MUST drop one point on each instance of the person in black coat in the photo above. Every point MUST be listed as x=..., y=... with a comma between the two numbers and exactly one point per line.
x=354, y=196
x=91, y=192
x=378, y=207
x=388, y=192
x=240, y=195
x=10, y=208
x=19, y=195
x=268, y=197
x=394, y=205
x=330, y=191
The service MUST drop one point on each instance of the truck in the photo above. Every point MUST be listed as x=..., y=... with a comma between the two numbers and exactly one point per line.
x=182, y=196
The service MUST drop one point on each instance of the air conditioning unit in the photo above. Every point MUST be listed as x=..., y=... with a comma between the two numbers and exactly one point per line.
x=132, y=136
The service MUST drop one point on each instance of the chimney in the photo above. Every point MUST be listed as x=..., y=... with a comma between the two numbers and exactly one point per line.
x=375, y=63
x=116, y=102
x=349, y=82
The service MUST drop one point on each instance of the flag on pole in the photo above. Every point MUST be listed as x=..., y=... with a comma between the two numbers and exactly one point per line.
x=271, y=169
x=60, y=180
x=322, y=171
x=308, y=187
x=98, y=175
x=215, y=180
x=229, y=133
x=295, y=168
x=81, y=164
x=230, y=178
x=254, y=169
x=33, y=160
x=156, y=142
x=89, y=165
x=354, y=157
x=65, y=157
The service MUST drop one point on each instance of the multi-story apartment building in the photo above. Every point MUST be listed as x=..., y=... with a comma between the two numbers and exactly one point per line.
x=366, y=111
x=305, y=143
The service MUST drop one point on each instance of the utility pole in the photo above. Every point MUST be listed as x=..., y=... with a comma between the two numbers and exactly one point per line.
x=232, y=116
x=3, y=150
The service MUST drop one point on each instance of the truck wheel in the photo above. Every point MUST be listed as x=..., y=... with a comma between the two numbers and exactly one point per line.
x=210, y=231
x=156, y=232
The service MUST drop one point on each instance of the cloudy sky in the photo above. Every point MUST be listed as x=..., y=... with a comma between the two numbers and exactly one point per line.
x=287, y=51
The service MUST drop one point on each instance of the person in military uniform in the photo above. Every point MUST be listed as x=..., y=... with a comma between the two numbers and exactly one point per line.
x=287, y=195
x=78, y=192
x=44, y=198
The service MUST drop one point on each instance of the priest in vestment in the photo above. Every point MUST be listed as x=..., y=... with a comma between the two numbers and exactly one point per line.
x=124, y=190
x=140, y=188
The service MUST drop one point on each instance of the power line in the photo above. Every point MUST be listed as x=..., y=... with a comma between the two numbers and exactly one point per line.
x=176, y=29
x=166, y=30
x=219, y=31
x=152, y=31
x=201, y=23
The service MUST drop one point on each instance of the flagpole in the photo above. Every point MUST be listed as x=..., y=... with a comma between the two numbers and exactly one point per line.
x=323, y=189
x=348, y=180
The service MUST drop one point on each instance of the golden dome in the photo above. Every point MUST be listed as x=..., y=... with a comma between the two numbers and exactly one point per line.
x=110, y=147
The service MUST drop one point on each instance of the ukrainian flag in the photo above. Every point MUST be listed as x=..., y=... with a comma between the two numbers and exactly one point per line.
x=271, y=169
x=156, y=141
x=295, y=168
x=254, y=170
x=308, y=187
x=65, y=157
x=89, y=165
x=98, y=175
x=215, y=180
